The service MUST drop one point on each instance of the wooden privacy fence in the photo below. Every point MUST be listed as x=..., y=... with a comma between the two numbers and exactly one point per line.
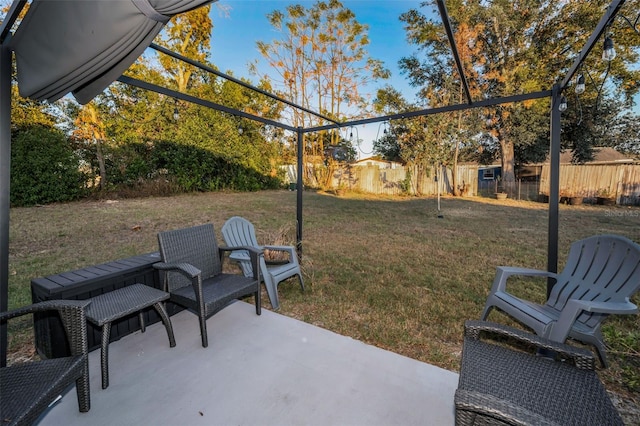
x=619, y=181
x=394, y=181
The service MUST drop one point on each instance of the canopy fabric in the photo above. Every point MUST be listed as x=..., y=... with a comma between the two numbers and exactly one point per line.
x=82, y=46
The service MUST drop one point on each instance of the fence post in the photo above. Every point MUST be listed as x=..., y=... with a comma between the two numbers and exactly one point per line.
x=519, y=188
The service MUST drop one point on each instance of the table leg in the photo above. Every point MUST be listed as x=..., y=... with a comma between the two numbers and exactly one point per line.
x=141, y=319
x=167, y=323
x=104, y=354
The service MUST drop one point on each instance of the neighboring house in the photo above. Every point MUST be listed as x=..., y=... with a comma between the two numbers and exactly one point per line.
x=489, y=172
x=378, y=162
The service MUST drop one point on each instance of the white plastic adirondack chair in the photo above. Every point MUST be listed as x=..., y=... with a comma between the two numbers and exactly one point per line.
x=238, y=231
x=601, y=274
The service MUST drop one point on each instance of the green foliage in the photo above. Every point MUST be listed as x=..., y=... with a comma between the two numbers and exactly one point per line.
x=523, y=47
x=44, y=169
x=194, y=169
x=405, y=185
x=625, y=344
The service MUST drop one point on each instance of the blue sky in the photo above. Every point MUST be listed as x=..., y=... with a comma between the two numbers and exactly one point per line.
x=234, y=36
x=233, y=43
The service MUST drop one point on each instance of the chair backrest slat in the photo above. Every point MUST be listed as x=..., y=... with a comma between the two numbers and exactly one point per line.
x=196, y=245
x=237, y=231
x=603, y=268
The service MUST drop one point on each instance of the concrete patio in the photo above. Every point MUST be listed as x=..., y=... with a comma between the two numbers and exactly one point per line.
x=258, y=370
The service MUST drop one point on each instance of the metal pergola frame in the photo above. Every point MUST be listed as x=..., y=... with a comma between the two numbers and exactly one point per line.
x=554, y=93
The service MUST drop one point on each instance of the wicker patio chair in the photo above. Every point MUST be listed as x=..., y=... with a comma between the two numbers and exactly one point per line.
x=504, y=382
x=600, y=275
x=27, y=389
x=192, y=269
x=238, y=231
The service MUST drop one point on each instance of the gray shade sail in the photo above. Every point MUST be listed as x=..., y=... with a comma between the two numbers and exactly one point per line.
x=82, y=46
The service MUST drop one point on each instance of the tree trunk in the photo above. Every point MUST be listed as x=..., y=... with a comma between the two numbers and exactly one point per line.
x=420, y=170
x=103, y=169
x=454, y=172
x=508, y=164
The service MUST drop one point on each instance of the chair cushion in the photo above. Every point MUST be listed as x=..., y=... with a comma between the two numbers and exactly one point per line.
x=217, y=292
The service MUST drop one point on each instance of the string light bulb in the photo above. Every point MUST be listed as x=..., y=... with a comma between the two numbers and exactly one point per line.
x=580, y=86
x=609, y=52
x=563, y=104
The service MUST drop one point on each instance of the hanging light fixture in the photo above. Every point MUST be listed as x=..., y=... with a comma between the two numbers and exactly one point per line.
x=580, y=87
x=176, y=113
x=609, y=52
x=563, y=104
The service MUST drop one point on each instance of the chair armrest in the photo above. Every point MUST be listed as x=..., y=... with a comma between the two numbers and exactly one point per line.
x=293, y=256
x=234, y=248
x=255, y=254
x=288, y=249
x=504, y=272
x=574, y=307
x=620, y=308
x=581, y=357
x=185, y=269
x=73, y=316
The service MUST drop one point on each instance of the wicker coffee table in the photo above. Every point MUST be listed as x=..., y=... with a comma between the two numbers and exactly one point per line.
x=108, y=307
x=500, y=385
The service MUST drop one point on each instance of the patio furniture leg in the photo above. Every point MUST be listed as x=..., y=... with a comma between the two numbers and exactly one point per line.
x=104, y=354
x=142, y=325
x=167, y=323
x=203, y=331
x=116, y=304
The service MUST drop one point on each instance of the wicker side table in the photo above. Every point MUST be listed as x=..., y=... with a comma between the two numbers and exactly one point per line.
x=499, y=385
x=108, y=307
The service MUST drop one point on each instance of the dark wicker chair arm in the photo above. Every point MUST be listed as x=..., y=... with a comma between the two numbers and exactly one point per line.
x=185, y=269
x=582, y=358
x=72, y=314
x=254, y=254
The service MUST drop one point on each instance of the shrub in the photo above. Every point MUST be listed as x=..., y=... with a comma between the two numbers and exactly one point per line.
x=44, y=168
x=196, y=169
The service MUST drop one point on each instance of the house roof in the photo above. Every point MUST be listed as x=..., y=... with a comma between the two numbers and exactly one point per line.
x=602, y=155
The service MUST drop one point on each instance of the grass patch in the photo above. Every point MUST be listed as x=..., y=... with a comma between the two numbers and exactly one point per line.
x=384, y=270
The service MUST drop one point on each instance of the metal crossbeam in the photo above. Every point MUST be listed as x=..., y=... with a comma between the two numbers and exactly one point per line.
x=454, y=49
x=235, y=80
x=439, y=110
x=611, y=13
x=192, y=99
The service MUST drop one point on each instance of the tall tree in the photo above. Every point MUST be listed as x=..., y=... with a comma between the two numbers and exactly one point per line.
x=520, y=47
x=190, y=35
x=90, y=130
x=439, y=86
x=321, y=61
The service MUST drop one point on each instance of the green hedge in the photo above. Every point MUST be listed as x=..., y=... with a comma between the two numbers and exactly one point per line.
x=196, y=169
x=44, y=168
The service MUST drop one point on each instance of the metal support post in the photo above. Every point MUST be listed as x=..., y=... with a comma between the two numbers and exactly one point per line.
x=299, y=189
x=5, y=175
x=554, y=186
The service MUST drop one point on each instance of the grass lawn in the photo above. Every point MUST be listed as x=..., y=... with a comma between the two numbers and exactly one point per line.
x=384, y=270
